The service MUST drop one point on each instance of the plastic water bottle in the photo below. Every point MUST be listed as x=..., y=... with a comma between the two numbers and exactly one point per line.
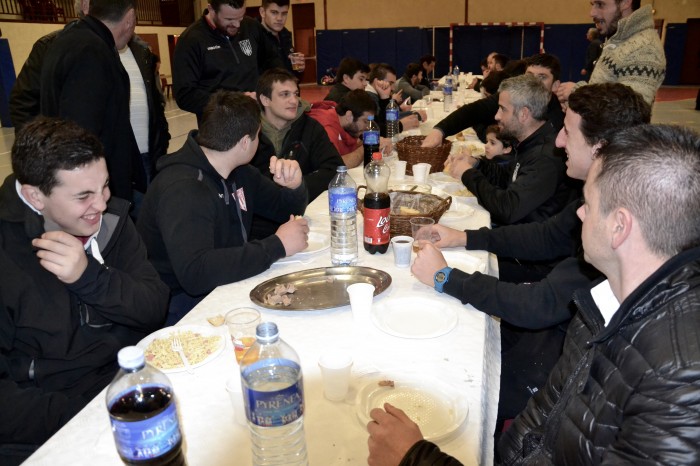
x=447, y=94
x=342, y=203
x=455, y=77
x=370, y=138
x=273, y=395
x=392, y=121
x=143, y=413
x=377, y=206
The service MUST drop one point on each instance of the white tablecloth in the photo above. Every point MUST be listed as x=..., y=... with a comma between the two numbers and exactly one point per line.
x=468, y=358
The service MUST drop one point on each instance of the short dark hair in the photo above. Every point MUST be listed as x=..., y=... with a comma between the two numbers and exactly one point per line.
x=46, y=145
x=495, y=129
x=111, y=11
x=654, y=172
x=267, y=3
x=235, y=4
x=226, y=119
x=358, y=102
x=546, y=60
x=412, y=69
x=491, y=82
x=380, y=70
x=607, y=108
x=501, y=59
x=268, y=79
x=426, y=59
x=350, y=66
x=515, y=68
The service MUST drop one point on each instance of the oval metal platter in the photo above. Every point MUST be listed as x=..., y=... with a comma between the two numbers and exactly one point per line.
x=321, y=288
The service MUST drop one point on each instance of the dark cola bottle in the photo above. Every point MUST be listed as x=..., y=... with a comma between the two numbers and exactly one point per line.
x=377, y=206
x=143, y=413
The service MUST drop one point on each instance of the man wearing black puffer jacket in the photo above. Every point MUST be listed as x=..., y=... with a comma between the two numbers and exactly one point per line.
x=625, y=390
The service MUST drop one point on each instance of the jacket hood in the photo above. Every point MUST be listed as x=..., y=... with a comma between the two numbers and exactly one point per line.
x=324, y=105
x=193, y=157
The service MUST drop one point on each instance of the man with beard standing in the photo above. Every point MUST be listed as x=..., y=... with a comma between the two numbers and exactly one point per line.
x=222, y=50
x=632, y=55
x=533, y=186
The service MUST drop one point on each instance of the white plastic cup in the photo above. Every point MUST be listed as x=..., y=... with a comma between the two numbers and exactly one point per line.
x=361, y=296
x=235, y=394
x=335, y=370
x=429, y=113
x=420, y=172
x=400, y=169
x=401, y=245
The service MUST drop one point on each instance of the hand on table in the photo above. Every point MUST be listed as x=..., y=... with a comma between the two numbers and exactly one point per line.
x=460, y=163
x=391, y=435
x=285, y=172
x=446, y=237
x=410, y=122
x=62, y=254
x=428, y=261
x=433, y=139
x=294, y=235
x=385, y=146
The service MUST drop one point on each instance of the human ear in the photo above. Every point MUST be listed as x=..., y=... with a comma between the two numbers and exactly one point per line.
x=33, y=195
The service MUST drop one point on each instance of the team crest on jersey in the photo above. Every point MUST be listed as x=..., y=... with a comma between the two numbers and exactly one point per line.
x=246, y=47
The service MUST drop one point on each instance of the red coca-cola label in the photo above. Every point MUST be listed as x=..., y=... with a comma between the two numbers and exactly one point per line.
x=377, y=226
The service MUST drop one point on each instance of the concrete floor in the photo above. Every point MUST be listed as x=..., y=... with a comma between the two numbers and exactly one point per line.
x=678, y=112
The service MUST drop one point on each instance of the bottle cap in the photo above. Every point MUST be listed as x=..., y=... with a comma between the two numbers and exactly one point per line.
x=376, y=156
x=130, y=357
x=267, y=332
x=341, y=168
x=370, y=117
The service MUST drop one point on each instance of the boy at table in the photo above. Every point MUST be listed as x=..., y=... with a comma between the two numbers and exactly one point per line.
x=625, y=389
x=534, y=314
x=197, y=214
x=75, y=283
x=352, y=74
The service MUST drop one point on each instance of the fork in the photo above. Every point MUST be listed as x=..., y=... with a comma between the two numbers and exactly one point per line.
x=176, y=345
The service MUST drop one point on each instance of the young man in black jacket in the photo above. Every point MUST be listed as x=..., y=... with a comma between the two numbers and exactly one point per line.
x=534, y=315
x=224, y=49
x=273, y=16
x=75, y=283
x=625, y=389
x=196, y=217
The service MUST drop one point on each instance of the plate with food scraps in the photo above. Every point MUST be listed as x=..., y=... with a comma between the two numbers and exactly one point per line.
x=437, y=407
x=200, y=344
x=315, y=289
x=317, y=242
x=415, y=317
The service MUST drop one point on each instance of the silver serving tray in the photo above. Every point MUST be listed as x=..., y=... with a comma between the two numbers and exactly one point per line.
x=322, y=288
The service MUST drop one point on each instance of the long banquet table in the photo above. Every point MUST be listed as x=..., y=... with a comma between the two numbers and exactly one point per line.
x=467, y=358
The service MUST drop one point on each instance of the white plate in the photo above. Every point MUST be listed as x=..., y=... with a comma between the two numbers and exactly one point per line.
x=464, y=261
x=317, y=242
x=437, y=408
x=414, y=317
x=169, y=332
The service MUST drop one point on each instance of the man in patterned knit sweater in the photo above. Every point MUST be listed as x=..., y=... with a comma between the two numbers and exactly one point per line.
x=632, y=54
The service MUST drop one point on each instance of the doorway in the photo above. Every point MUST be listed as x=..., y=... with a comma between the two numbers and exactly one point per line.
x=304, y=31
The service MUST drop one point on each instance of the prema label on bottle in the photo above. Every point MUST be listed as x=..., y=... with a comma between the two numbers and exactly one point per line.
x=342, y=201
x=370, y=137
x=377, y=226
x=392, y=114
x=147, y=439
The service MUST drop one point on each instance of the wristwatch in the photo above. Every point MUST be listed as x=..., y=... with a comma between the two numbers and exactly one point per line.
x=441, y=277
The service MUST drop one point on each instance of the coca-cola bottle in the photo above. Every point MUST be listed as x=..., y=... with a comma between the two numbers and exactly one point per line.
x=377, y=205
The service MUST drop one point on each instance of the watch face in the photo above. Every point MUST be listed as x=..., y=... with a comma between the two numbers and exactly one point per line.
x=440, y=277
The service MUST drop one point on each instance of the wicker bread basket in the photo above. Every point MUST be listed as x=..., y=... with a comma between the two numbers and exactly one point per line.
x=414, y=205
x=409, y=149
